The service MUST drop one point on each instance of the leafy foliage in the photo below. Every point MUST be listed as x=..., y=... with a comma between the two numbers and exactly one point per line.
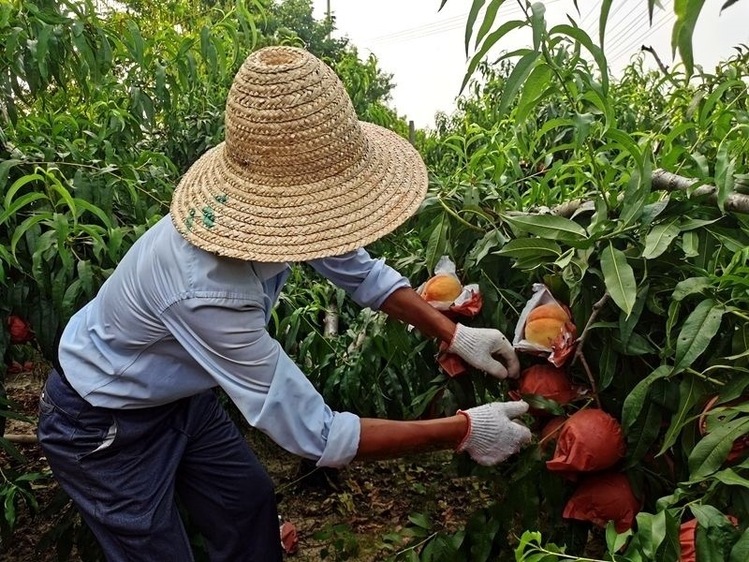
x=546, y=173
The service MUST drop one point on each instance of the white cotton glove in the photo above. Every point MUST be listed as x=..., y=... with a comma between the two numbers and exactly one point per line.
x=492, y=434
x=476, y=347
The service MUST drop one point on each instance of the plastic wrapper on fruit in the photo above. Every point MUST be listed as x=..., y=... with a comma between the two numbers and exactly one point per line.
x=557, y=338
x=604, y=497
x=445, y=292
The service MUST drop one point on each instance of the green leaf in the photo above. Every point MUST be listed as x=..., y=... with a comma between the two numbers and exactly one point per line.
x=472, y=15
x=489, y=42
x=729, y=477
x=489, y=16
x=626, y=142
x=652, y=531
x=740, y=550
x=584, y=39
x=483, y=247
x=538, y=23
x=18, y=184
x=725, y=166
x=530, y=248
x=634, y=401
x=603, y=20
x=516, y=79
x=550, y=227
x=619, y=278
x=19, y=204
x=643, y=433
x=659, y=239
x=711, y=451
x=691, y=286
x=5, y=167
x=437, y=243
x=535, y=85
x=690, y=393
x=698, y=330
x=687, y=12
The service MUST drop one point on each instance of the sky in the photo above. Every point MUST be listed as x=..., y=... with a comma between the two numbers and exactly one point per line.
x=424, y=48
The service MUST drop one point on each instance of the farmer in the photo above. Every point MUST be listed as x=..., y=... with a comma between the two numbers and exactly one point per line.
x=130, y=422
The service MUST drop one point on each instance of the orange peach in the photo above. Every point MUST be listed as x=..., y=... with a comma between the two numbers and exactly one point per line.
x=544, y=323
x=442, y=288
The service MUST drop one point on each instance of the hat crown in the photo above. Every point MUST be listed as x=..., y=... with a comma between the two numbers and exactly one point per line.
x=289, y=119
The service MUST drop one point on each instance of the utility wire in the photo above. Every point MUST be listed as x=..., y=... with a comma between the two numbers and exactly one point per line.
x=666, y=19
x=443, y=26
x=622, y=46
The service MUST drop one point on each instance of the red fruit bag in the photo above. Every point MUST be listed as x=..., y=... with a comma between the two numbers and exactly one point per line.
x=605, y=497
x=590, y=440
x=546, y=381
x=688, y=536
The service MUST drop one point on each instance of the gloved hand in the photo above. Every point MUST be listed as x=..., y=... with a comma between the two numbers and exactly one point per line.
x=492, y=434
x=476, y=347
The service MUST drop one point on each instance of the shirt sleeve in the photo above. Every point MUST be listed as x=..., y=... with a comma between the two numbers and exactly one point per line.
x=367, y=280
x=229, y=340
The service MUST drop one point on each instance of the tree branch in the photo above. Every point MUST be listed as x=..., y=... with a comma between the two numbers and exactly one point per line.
x=666, y=181
x=663, y=67
x=579, y=356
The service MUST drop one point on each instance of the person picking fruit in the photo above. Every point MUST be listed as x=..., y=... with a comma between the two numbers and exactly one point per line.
x=129, y=420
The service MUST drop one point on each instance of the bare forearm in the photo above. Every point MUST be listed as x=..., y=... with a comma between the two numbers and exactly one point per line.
x=407, y=306
x=382, y=439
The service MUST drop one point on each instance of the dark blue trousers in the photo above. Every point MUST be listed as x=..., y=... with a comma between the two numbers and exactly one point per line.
x=124, y=470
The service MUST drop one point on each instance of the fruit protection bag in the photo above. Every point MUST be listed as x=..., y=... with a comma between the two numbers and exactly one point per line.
x=590, y=440
x=467, y=303
x=563, y=345
x=604, y=497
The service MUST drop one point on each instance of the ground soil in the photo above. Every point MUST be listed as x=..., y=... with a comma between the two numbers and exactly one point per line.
x=360, y=513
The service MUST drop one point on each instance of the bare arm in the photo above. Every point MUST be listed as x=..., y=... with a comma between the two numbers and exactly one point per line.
x=382, y=439
x=407, y=306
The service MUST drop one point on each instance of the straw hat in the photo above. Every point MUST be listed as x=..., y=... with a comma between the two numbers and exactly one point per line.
x=298, y=176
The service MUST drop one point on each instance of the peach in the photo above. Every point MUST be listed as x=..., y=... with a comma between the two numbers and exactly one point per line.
x=442, y=288
x=545, y=323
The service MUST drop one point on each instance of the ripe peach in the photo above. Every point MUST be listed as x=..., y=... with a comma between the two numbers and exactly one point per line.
x=442, y=288
x=544, y=323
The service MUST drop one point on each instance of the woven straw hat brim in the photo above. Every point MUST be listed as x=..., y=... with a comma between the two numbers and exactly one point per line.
x=220, y=207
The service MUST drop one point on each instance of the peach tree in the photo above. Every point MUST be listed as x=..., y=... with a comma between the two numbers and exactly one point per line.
x=626, y=198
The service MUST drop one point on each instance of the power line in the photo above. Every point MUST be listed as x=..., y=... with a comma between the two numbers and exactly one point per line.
x=460, y=19
x=665, y=19
x=434, y=28
x=592, y=10
x=625, y=44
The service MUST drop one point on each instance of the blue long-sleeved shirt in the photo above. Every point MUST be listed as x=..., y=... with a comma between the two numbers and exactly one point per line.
x=174, y=320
